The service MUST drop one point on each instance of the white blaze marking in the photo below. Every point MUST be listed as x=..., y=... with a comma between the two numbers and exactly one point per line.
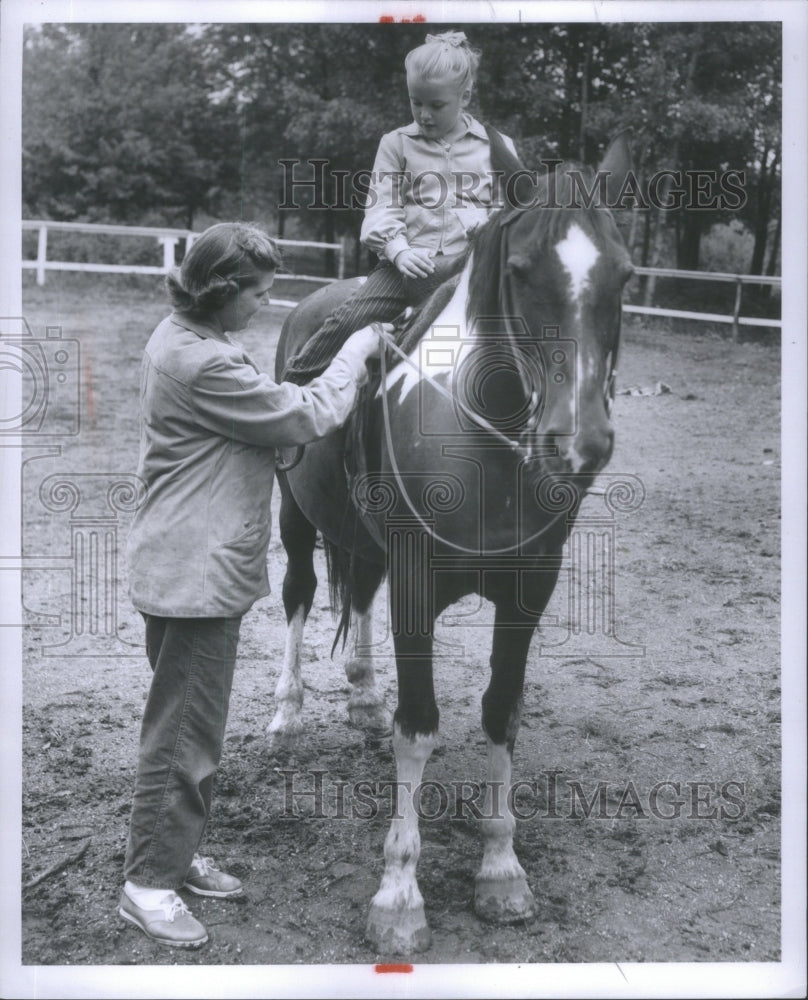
x=438, y=353
x=578, y=255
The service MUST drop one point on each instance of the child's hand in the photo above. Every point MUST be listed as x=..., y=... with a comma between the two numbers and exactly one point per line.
x=415, y=263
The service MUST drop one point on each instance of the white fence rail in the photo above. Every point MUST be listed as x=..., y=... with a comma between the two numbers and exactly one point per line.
x=735, y=319
x=169, y=238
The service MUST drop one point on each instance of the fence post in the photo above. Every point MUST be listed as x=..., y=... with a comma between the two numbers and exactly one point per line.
x=169, y=245
x=341, y=260
x=41, y=254
x=736, y=309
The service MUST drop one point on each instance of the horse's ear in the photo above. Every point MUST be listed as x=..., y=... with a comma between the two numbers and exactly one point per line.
x=516, y=183
x=616, y=164
x=502, y=158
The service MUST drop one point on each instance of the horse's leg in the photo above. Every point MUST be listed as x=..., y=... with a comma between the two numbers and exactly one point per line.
x=366, y=707
x=396, y=920
x=501, y=892
x=299, y=583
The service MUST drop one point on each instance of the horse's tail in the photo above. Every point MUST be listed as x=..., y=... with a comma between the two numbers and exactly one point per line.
x=338, y=563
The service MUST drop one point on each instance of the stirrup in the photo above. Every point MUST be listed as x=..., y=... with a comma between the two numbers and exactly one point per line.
x=283, y=466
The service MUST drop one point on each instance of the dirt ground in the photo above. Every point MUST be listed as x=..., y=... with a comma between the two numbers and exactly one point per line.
x=677, y=741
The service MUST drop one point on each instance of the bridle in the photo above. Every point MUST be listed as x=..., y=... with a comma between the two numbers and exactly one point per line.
x=387, y=341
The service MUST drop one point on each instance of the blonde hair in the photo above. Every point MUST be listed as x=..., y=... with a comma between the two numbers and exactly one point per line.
x=445, y=57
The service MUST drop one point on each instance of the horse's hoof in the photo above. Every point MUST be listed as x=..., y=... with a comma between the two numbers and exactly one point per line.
x=503, y=901
x=403, y=932
x=374, y=717
x=284, y=735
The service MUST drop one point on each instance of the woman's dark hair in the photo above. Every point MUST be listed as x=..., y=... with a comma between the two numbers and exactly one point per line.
x=224, y=259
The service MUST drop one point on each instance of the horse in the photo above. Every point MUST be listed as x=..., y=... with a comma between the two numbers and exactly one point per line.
x=479, y=445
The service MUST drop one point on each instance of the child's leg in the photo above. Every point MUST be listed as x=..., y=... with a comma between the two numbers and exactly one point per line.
x=380, y=299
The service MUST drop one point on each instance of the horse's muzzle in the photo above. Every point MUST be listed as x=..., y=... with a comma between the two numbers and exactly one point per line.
x=586, y=451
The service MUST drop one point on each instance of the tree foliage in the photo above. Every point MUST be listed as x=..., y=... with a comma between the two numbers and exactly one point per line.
x=118, y=124
x=145, y=122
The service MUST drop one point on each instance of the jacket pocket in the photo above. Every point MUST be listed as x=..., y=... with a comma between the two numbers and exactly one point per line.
x=238, y=566
x=419, y=220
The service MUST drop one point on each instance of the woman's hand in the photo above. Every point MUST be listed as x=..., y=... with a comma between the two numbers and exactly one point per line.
x=415, y=263
x=364, y=343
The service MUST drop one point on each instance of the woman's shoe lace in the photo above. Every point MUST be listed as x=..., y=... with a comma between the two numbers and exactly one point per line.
x=203, y=865
x=176, y=908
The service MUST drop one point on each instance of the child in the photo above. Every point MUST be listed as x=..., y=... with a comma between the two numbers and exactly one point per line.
x=432, y=184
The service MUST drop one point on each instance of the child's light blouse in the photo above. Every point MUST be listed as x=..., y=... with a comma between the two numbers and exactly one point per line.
x=427, y=193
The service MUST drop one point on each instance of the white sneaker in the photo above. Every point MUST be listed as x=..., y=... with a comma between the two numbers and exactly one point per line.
x=205, y=880
x=171, y=923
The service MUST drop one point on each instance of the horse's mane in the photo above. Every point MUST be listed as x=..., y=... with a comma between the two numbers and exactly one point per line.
x=551, y=223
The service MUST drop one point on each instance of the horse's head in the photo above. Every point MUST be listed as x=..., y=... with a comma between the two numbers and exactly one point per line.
x=556, y=269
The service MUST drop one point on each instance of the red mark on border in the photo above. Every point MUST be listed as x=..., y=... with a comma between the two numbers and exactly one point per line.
x=88, y=389
x=389, y=19
x=392, y=968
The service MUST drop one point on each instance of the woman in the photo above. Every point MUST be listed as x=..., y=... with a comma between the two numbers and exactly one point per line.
x=210, y=424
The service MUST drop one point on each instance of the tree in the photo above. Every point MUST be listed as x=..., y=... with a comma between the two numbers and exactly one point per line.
x=118, y=122
x=125, y=121
x=314, y=92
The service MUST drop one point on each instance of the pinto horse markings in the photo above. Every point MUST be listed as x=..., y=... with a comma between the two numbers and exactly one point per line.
x=435, y=363
x=448, y=508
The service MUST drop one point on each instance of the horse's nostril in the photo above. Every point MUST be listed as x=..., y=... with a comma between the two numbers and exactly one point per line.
x=597, y=448
x=585, y=452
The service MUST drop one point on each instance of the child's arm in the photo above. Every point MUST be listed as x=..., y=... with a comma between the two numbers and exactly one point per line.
x=384, y=229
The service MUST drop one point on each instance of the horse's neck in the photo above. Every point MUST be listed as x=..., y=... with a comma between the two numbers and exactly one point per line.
x=450, y=319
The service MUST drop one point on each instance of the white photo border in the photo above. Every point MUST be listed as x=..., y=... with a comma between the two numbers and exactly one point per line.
x=783, y=979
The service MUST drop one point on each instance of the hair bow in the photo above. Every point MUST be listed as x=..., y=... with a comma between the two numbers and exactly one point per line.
x=453, y=38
